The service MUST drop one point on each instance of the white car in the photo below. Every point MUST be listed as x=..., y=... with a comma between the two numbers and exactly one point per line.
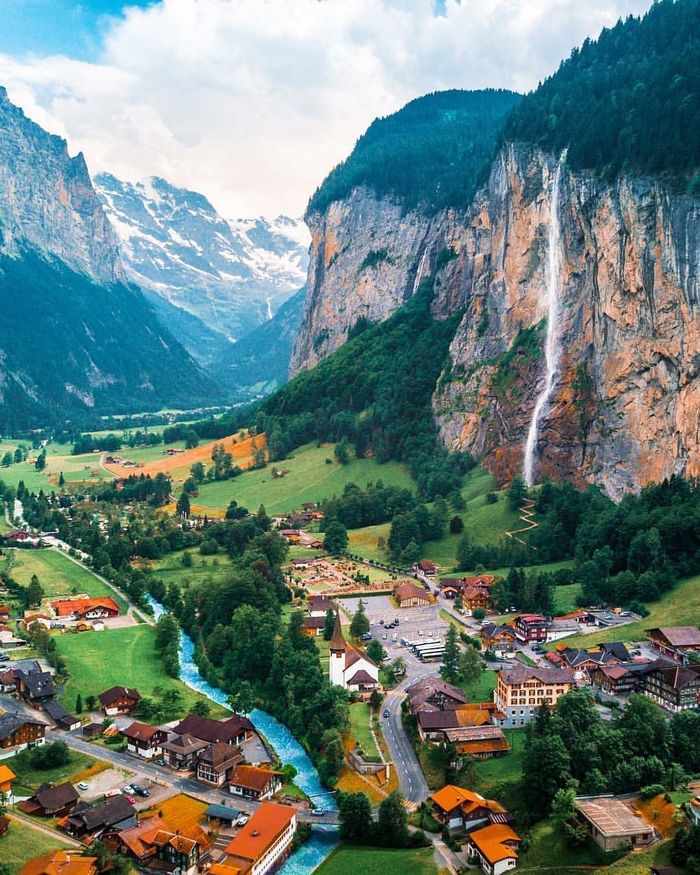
x=242, y=819
x=82, y=786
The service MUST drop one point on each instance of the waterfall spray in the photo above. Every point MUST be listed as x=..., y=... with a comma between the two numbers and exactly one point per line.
x=551, y=347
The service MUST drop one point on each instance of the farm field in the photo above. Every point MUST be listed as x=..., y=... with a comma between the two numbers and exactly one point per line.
x=351, y=860
x=23, y=843
x=566, y=598
x=127, y=656
x=180, y=812
x=156, y=461
x=58, y=574
x=309, y=479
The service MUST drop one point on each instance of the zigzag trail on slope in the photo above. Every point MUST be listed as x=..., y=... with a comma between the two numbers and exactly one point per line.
x=527, y=517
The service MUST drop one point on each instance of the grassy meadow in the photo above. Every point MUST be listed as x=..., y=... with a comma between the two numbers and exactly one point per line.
x=29, y=779
x=127, y=656
x=23, y=842
x=309, y=478
x=58, y=574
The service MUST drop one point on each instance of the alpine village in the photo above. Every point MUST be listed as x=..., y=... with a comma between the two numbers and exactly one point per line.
x=409, y=580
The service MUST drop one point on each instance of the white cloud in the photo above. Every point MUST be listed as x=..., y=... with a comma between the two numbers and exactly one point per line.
x=253, y=101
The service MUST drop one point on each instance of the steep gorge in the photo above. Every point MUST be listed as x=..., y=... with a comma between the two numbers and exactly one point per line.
x=624, y=407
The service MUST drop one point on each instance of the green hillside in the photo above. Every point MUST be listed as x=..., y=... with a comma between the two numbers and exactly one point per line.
x=428, y=154
x=628, y=101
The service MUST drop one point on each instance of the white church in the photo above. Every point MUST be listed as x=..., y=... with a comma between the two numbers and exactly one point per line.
x=349, y=667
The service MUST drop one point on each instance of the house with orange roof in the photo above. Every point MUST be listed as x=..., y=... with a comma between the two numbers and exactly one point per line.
x=496, y=846
x=86, y=609
x=250, y=782
x=7, y=776
x=458, y=808
x=264, y=841
x=348, y=667
x=60, y=863
x=155, y=845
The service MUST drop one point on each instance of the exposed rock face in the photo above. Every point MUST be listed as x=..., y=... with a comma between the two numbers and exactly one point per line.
x=625, y=408
x=53, y=210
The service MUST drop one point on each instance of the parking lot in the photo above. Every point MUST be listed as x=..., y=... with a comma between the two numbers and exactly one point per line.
x=414, y=624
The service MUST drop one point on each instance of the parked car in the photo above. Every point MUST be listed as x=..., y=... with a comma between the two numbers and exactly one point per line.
x=367, y=637
x=82, y=786
x=141, y=791
x=384, y=636
x=131, y=799
x=242, y=819
x=396, y=621
x=129, y=788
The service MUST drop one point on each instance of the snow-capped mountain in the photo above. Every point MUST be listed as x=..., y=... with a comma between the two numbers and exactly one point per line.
x=211, y=281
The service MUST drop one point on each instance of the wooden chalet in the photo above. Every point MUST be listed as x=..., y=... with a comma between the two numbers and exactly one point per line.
x=249, y=782
x=675, y=641
x=674, y=687
x=144, y=740
x=88, y=822
x=495, y=637
x=233, y=730
x=461, y=809
x=119, y=700
x=18, y=732
x=409, y=595
x=181, y=752
x=51, y=800
x=433, y=693
x=156, y=846
x=531, y=628
x=215, y=763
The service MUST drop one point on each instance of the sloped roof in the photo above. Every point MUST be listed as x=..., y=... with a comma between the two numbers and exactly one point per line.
x=361, y=677
x=207, y=729
x=337, y=642
x=6, y=774
x=611, y=816
x=679, y=636
x=140, y=731
x=111, y=810
x=68, y=607
x=491, y=842
x=220, y=755
x=184, y=743
x=553, y=676
x=10, y=723
x=451, y=797
x=114, y=694
x=60, y=863
x=54, y=796
x=252, y=778
x=265, y=826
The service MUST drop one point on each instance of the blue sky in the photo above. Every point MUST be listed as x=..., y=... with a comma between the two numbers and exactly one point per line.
x=253, y=102
x=48, y=27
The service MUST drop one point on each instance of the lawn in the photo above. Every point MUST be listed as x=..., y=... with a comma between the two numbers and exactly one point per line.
x=310, y=479
x=29, y=779
x=23, y=843
x=503, y=770
x=360, y=731
x=351, y=860
x=640, y=863
x=482, y=690
x=549, y=846
x=566, y=598
x=127, y=657
x=58, y=575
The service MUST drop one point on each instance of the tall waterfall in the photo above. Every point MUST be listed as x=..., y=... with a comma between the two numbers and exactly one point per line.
x=552, y=347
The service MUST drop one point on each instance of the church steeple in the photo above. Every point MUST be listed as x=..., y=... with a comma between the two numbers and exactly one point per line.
x=337, y=642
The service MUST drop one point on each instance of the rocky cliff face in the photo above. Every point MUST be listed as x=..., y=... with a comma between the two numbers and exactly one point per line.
x=47, y=203
x=625, y=404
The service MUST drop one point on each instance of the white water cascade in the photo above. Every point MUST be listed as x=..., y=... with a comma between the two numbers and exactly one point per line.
x=552, y=346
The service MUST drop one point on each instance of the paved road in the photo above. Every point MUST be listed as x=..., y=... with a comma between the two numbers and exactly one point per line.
x=411, y=780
